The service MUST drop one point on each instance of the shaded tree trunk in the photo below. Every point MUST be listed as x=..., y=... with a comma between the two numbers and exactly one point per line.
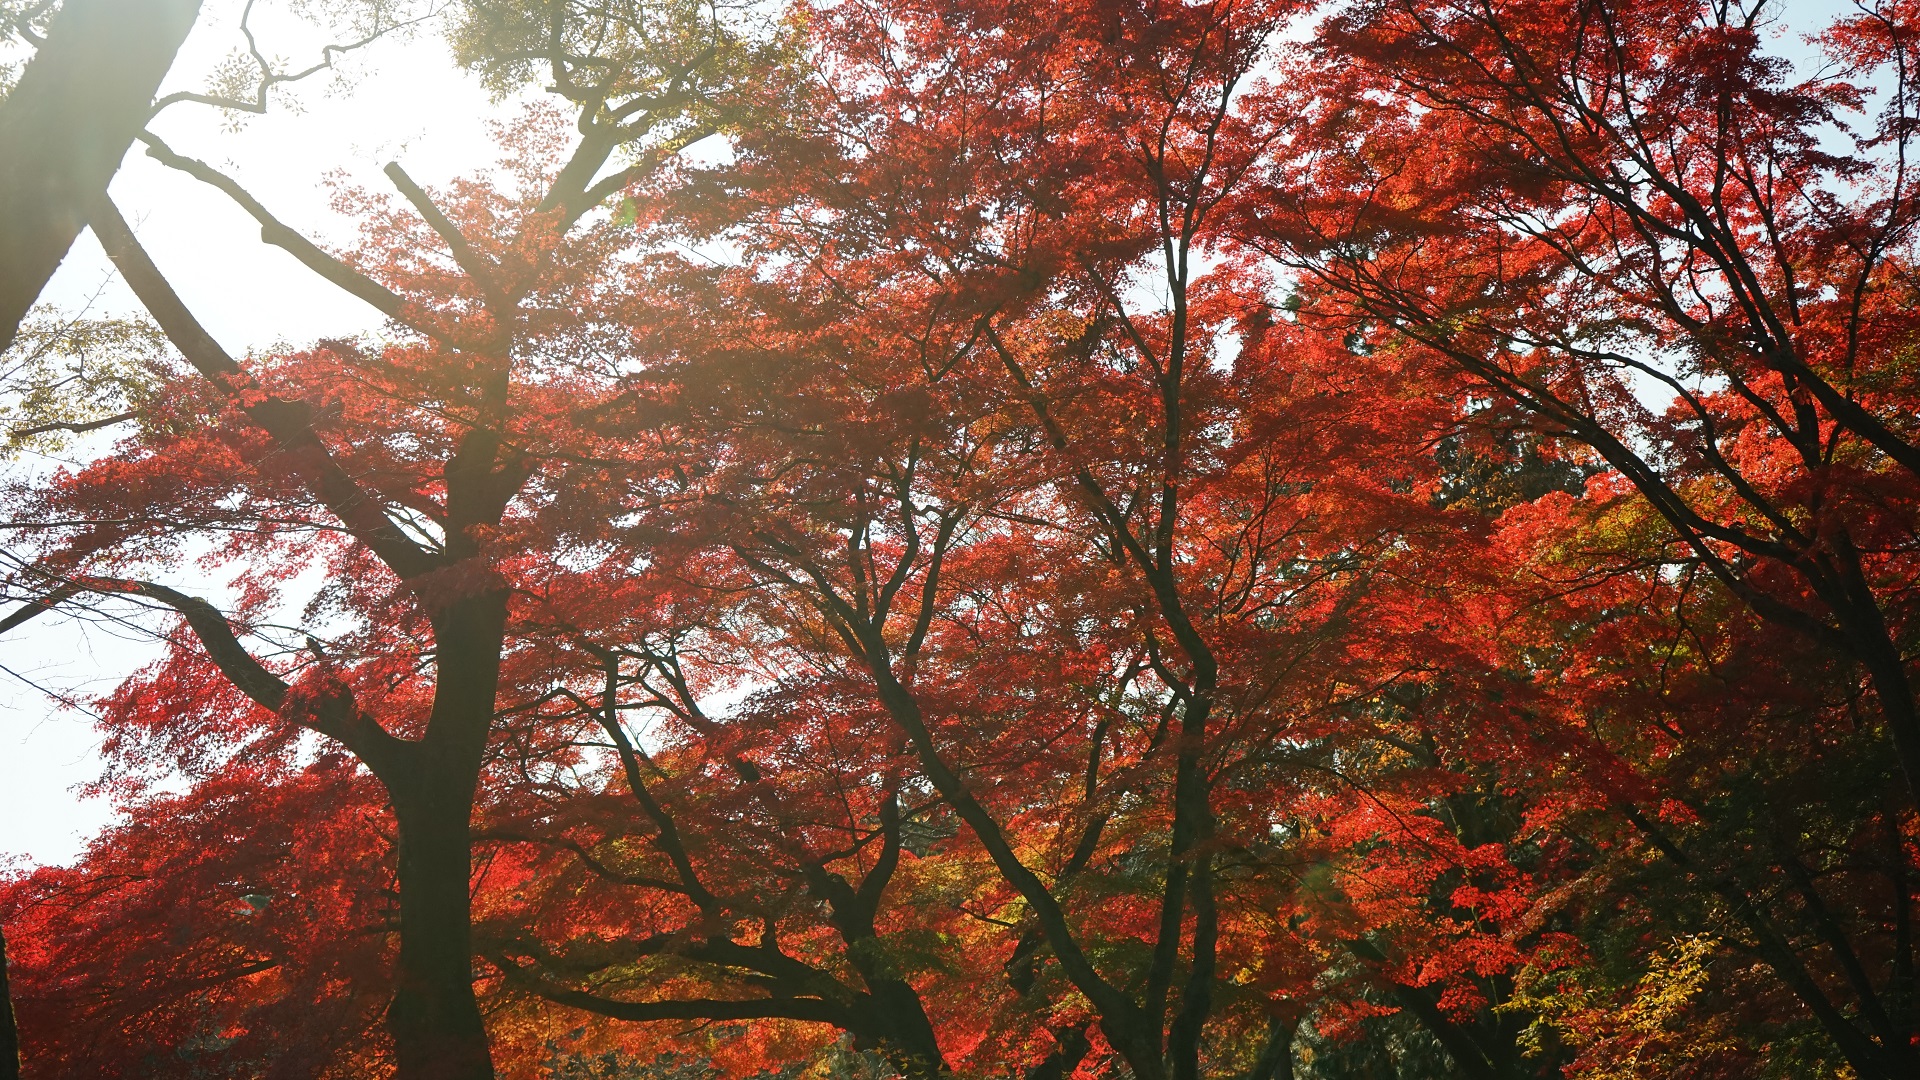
x=67, y=124
x=9, y=1034
x=1276, y=1058
x=435, y=1021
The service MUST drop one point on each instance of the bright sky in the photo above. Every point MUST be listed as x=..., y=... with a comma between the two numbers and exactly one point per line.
x=406, y=102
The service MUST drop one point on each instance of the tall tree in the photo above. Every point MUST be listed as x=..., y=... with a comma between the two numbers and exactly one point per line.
x=962, y=449
x=426, y=520
x=1621, y=219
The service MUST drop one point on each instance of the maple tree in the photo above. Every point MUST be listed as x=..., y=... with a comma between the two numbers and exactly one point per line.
x=424, y=505
x=891, y=465
x=1648, y=199
x=870, y=516
x=1240, y=539
x=1646, y=208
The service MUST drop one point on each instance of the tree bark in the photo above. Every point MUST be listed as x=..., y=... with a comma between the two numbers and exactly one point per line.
x=9, y=1034
x=434, y=1019
x=1276, y=1058
x=67, y=124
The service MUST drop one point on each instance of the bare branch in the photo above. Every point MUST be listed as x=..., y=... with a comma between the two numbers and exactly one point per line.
x=270, y=78
x=274, y=231
x=76, y=427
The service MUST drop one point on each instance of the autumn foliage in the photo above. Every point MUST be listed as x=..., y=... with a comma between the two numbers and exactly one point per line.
x=1163, y=540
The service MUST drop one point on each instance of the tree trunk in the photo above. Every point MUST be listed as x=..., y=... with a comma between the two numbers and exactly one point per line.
x=9, y=1034
x=67, y=124
x=1276, y=1058
x=1887, y=674
x=910, y=1046
x=434, y=1019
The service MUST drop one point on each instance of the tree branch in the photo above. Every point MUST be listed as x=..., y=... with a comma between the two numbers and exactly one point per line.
x=479, y=270
x=287, y=421
x=274, y=231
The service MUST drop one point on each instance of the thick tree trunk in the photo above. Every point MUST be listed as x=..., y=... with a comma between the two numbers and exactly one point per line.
x=9, y=1034
x=910, y=1043
x=434, y=1018
x=1887, y=673
x=1276, y=1058
x=67, y=124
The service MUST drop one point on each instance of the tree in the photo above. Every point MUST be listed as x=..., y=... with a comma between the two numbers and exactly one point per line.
x=1092, y=540
x=1612, y=204
x=1086, y=565
x=1639, y=235
x=425, y=519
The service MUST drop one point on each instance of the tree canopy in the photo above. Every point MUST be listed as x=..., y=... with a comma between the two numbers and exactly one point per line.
x=1241, y=539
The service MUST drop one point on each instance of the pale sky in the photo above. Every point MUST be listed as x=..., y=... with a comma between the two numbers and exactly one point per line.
x=406, y=102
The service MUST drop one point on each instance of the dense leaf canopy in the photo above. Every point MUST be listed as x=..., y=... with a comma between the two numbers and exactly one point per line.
x=1237, y=539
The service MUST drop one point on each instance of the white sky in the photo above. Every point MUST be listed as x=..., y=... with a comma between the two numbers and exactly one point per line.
x=406, y=102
